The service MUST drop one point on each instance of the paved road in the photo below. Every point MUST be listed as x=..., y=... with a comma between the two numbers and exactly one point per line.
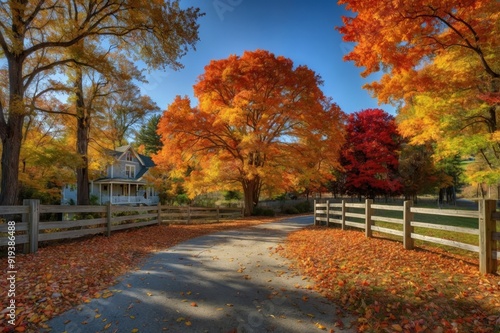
x=225, y=282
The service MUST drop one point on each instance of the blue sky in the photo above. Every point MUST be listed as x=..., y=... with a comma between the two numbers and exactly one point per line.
x=301, y=30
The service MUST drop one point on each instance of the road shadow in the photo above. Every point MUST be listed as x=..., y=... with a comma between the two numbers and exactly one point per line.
x=231, y=281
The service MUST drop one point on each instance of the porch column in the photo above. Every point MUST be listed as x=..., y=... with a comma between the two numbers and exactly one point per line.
x=100, y=194
x=129, y=192
x=111, y=192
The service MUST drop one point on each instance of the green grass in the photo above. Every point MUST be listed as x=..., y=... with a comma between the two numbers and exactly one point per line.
x=427, y=218
x=444, y=234
x=435, y=219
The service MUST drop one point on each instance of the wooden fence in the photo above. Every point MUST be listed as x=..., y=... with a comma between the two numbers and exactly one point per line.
x=345, y=214
x=35, y=223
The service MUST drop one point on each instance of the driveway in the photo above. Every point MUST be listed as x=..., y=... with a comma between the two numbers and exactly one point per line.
x=230, y=281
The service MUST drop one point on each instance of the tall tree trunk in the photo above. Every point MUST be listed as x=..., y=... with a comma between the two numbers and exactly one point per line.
x=11, y=152
x=11, y=133
x=82, y=172
x=82, y=143
x=251, y=192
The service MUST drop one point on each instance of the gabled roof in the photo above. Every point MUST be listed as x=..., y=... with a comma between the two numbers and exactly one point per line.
x=145, y=161
x=122, y=150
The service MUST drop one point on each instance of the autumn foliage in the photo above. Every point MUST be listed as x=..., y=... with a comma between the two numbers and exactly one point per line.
x=393, y=290
x=370, y=155
x=259, y=121
x=58, y=277
x=441, y=67
x=41, y=40
x=384, y=286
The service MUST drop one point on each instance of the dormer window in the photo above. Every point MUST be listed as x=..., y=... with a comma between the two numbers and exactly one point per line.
x=129, y=156
x=130, y=171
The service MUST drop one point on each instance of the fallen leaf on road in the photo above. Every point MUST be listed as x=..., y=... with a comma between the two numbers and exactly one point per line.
x=78, y=282
x=321, y=327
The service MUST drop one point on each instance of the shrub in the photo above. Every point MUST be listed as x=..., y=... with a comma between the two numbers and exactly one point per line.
x=291, y=210
x=303, y=207
x=262, y=211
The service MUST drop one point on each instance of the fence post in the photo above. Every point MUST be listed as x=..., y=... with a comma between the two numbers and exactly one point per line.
x=495, y=242
x=159, y=214
x=343, y=214
x=407, y=228
x=33, y=218
x=218, y=214
x=486, y=210
x=368, y=218
x=315, y=223
x=327, y=212
x=109, y=212
x=189, y=215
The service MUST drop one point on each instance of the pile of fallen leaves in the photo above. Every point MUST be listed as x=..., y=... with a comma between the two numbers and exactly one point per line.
x=394, y=290
x=59, y=277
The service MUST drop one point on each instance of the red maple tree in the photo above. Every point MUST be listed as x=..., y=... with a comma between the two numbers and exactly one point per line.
x=370, y=156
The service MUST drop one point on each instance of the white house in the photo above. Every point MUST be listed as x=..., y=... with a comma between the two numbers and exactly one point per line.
x=123, y=182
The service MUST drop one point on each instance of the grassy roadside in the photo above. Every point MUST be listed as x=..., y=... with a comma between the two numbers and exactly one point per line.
x=393, y=290
x=463, y=222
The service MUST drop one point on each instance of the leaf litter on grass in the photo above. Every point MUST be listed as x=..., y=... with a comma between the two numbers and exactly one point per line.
x=394, y=290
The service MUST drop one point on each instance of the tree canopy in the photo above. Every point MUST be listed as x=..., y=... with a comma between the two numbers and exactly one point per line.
x=259, y=119
x=147, y=138
x=440, y=65
x=370, y=155
x=38, y=37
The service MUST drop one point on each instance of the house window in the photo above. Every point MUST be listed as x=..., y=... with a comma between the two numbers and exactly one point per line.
x=129, y=156
x=130, y=171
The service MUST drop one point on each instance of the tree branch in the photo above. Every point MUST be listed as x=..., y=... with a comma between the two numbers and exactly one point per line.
x=477, y=49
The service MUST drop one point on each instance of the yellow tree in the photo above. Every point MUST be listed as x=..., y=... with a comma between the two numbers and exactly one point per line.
x=456, y=114
x=258, y=116
x=47, y=162
x=92, y=90
x=125, y=111
x=34, y=35
x=441, y=65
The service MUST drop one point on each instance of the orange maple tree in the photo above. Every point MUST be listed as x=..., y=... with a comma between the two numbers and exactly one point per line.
x=440, y=64
x=259, y=119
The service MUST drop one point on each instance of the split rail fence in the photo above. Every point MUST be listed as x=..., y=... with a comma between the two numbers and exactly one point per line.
x=351, y=214
x=35, y=223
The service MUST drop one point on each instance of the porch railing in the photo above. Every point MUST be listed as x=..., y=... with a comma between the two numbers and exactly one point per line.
x=131, y=199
